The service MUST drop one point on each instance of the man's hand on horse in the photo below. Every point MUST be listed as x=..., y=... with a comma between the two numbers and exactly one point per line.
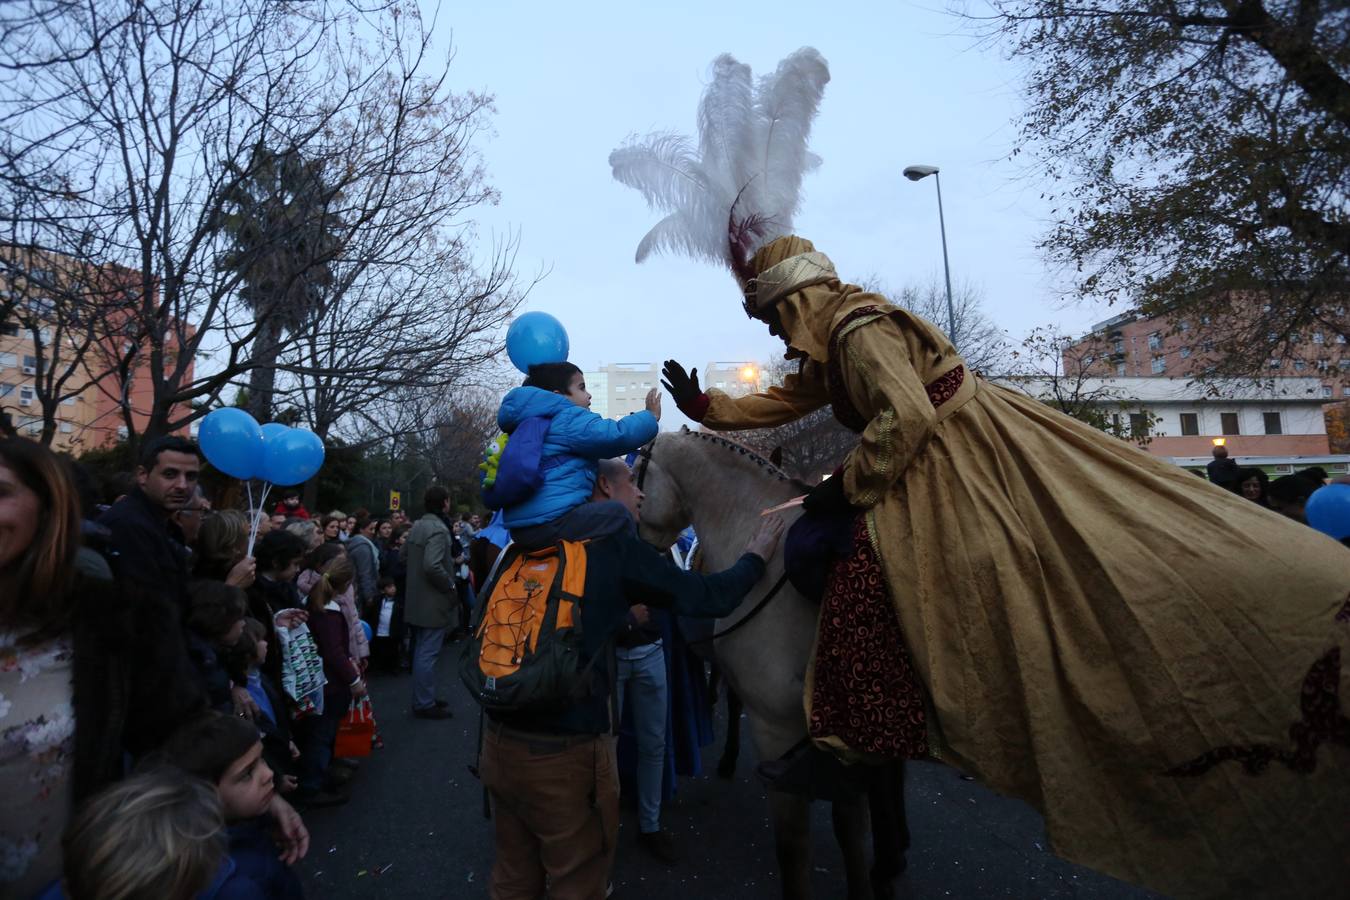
x=828, y=498
x=765, y=539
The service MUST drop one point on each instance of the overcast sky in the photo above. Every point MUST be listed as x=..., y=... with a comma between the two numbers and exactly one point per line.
x=908, y=85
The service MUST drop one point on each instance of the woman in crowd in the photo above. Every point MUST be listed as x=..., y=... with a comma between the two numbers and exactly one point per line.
x=332, y=527
x=222, y=547
x=308, y=531
x=91, y=673
x=1252, y=483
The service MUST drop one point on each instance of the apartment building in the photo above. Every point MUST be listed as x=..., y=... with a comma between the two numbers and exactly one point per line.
x=618, y=389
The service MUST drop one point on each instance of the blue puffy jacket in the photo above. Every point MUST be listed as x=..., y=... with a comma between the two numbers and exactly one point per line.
x=582, y=438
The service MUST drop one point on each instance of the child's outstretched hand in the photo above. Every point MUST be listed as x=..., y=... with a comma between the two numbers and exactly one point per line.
x=654, y=403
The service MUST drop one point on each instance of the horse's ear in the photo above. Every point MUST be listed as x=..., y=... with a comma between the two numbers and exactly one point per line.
x=776, y=456
x=684, y=429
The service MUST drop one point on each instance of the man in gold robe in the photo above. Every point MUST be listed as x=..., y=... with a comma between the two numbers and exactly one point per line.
x=1151, y=661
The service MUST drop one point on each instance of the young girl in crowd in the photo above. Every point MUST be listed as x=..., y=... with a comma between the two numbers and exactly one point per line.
x=315, y=734
x=358, y=645
x=575, y=442
x=160, y=834
x=214, y=623
x=245, y=662
x=226, y=752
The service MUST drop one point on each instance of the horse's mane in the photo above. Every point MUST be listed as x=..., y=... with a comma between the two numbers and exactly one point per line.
x=752, y=456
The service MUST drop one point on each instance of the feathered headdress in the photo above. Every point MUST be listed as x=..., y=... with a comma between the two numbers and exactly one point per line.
x=741, y=187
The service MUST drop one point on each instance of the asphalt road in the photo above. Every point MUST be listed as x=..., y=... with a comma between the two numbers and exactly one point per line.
x=414, y=828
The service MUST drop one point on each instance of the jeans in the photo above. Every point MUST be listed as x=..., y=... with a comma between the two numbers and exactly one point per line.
x=314, y=735
x=426, y=647
x=642, y=677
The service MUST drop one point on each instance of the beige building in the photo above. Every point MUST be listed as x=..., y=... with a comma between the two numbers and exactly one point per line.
x=618, y=389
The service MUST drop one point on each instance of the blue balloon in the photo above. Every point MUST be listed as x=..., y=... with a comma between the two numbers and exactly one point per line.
x=273, y=434
x=1328, y=510
x=534, y=338
x=292, y=456
x=232, y=441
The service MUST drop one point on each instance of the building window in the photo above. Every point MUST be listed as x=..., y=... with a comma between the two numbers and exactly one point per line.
x=620, y=389
x=1340, y=339
x=1272, y=336
x=1204, y=320
x=1323, y=365
x=1317, y=337
x=1185, y=326
x=1115, y=422
x=1119, y=346
x=8, y=360
x=1326, y=391
x=1272, y=422
x=30, y=364
x=1273, y=363
x=1120, y=369
x=1088, y=360
x=70, y=401
x=1299, y=365
x=67, y=428
x=1138, y=425
x=1159, y=365
x=1207, y=346
x=6, y=390
x=1228, y=423
x=1185, y=352
x=25, y=395
x=1154, y=341
x=1190, y=423
x=9, y=329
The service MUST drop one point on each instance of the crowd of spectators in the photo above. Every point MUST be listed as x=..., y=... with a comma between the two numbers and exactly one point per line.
x=171, y=691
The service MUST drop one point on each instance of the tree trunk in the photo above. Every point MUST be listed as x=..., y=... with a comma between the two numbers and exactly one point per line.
x=263, y=378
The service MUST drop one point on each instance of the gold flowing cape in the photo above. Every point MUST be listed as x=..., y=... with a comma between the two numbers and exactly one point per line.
x=1151, y=661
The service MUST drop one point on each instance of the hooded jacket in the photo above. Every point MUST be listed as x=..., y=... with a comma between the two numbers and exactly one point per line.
x=580, y=438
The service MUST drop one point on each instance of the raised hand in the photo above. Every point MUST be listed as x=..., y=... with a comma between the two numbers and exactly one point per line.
x=683, y=386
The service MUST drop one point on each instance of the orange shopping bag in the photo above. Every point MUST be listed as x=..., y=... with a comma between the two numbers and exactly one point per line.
x=355, y=731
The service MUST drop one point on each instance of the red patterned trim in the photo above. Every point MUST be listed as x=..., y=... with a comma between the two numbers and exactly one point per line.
x=944, y=387
x=1322, y=722
x=864, y=689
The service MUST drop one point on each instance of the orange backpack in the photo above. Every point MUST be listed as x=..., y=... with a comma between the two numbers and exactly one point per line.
x=525, y=653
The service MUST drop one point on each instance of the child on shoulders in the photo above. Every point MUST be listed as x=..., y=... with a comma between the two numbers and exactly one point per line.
x=575, y=442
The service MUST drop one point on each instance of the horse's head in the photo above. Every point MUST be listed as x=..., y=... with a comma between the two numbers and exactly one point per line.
x=664, y=512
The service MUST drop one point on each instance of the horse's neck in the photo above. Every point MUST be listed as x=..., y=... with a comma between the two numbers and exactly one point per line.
x=725, y=494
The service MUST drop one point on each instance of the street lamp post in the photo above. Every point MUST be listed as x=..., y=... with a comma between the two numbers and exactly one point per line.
x=917, y=173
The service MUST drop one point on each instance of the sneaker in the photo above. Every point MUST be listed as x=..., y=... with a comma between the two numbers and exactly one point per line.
x=433, y=712
x=317, y=799
x=339, y=775
x=609, y=889
x=660, y=845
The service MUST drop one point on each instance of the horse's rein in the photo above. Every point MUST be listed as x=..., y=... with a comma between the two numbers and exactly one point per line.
x=644, y=460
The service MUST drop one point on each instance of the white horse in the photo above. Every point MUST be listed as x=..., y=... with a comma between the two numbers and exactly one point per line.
x=720, y=488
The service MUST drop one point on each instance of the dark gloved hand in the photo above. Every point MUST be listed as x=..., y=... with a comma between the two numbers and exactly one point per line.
x=685, y=390
x=827, y=498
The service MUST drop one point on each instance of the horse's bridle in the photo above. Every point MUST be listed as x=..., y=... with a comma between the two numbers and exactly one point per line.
x=644, y=461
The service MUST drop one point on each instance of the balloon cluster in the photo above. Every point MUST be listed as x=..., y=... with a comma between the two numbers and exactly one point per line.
x=236, y=445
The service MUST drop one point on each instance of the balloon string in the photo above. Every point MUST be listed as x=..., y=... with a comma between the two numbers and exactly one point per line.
x=257, y=513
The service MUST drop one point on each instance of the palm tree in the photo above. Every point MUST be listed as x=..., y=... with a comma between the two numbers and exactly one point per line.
x=276, y=214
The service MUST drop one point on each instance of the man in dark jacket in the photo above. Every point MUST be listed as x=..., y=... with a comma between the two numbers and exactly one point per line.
x=430, y=609
x=1222, y=470
x=553, y=777
x=146, y=546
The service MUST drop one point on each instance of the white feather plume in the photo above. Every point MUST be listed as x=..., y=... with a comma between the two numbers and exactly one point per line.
x=741, y=187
